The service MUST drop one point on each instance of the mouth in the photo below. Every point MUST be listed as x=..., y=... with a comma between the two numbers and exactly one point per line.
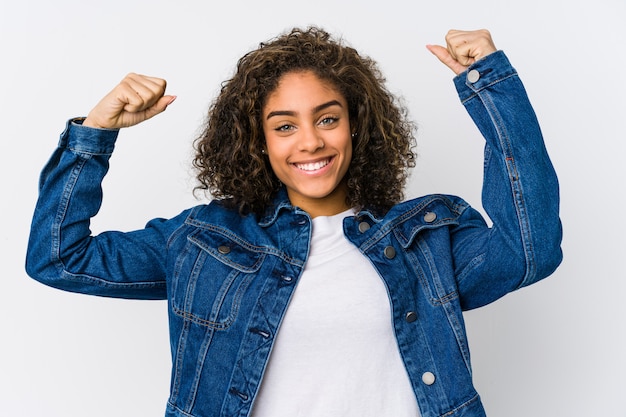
x=313, y=166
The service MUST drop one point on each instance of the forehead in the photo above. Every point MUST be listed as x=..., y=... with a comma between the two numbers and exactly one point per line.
x=299, y=88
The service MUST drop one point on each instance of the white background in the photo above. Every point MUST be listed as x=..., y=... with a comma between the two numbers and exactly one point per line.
x=554, y=349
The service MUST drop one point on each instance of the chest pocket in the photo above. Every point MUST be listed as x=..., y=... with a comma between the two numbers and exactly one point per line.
x=211, y=278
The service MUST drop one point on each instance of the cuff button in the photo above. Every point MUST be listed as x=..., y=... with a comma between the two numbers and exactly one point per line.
x=473, y=76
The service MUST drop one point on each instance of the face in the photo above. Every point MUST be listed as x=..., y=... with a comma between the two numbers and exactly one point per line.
x=307, y=132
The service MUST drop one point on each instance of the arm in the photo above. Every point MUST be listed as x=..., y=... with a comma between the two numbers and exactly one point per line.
x=61, y=251
x=520, y=187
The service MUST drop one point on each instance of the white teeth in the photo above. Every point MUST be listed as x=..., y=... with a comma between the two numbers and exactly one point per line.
x=314, y=166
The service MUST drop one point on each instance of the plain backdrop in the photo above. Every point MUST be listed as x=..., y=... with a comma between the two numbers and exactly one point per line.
x=554, y=349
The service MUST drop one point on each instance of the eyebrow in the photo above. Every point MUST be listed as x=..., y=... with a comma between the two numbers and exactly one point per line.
x=293, y=113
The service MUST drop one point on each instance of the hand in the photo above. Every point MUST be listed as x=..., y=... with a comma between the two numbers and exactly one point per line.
x=463, y=48
x=135, y=99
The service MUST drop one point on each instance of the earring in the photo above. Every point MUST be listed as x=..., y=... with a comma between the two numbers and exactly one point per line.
x=263, y=151
x=353, y=135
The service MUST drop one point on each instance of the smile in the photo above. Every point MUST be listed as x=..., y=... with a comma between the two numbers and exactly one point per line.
x=313, y=166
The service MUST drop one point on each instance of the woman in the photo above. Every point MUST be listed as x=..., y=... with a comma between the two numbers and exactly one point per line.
x=306, y=154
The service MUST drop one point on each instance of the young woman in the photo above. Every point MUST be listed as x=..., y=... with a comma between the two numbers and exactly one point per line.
x=306, y=287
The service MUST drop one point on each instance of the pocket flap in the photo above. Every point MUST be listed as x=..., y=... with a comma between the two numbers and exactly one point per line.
x=229, y=250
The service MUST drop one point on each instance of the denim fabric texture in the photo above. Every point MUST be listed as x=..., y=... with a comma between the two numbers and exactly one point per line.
x=228, y=278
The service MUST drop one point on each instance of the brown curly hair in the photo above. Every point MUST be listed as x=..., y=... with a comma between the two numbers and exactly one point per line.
x=229, y=158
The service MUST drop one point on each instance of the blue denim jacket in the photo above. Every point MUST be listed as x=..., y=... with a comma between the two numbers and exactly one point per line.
x=228, y=278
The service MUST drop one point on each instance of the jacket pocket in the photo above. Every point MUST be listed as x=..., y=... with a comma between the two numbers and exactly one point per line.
x=212, y=276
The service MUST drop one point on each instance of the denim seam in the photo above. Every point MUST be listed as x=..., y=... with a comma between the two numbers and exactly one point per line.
x=186, y=312
x=443, y=296
x=179, y=361
x=178, y=410
x=457, y=329
x=234, y=237
x=87, y=154
x=515, y=184
x=178, y=268
x=392, y=225
x=225, y=259
x=419, y=274
x=464, y=405
x=62, y=212
x=188, y=315
x=201, y=360
x=473, y=264
x=478, y=91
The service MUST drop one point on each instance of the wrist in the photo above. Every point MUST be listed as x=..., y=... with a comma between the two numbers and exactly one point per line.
x=90, y=122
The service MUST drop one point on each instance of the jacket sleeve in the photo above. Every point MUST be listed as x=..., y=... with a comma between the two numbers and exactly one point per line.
x=520, y=190
x=62, y=252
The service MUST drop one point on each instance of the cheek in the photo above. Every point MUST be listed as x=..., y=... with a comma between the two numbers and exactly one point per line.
x=348, y=162
x=274, y=150
x=276, y=155
x=348, y=150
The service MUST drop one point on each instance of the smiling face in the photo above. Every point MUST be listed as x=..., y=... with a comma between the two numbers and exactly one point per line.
x=307, y=132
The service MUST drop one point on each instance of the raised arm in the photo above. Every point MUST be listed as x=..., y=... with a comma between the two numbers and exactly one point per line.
x=61, y=251
x=520, y=188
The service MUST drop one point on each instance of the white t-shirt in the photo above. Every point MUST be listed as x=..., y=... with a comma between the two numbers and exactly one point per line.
x=336, y=353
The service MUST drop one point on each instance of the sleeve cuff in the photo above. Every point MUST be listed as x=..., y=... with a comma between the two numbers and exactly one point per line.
x=483, y=73
x=87, y=140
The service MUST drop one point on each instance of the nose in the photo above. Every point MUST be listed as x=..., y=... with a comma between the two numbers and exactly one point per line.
x=310, y=140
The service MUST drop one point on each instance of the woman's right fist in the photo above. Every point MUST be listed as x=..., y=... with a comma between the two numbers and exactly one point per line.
x=135, y=99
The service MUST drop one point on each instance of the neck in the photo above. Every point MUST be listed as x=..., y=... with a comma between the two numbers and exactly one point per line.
x=332, y=204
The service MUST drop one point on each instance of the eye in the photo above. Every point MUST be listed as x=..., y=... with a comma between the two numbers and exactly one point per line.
x=328, y=120
x=284, y=128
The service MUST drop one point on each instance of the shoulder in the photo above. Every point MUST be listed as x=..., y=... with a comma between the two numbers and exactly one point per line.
x=200, y=216
x=451, y=205
x=217, y=212
x=432, y=208
x=434, y=211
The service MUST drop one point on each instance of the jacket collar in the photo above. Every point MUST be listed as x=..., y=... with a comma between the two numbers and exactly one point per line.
x=281, y=202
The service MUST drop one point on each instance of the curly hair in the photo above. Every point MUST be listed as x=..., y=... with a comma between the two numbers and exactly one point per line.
x=229, y=158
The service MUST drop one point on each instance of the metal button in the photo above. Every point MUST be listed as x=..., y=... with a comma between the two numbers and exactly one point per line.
x=430, y=217
x=473, y=76
x=364, y=227
x=428, y=378
x=223, y=249
x=389, y=252
x=410, y=317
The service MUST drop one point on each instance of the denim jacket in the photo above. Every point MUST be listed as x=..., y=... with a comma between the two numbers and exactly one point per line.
x=228, y=278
